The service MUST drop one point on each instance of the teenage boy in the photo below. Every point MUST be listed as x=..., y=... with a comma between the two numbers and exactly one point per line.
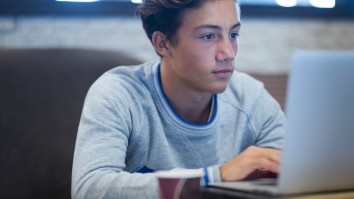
x=190, y=109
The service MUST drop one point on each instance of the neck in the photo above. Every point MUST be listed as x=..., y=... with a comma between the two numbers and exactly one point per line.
x=193, y=106
x=193, y=111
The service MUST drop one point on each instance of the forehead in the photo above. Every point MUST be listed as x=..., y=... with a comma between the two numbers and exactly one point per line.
x=224, y=13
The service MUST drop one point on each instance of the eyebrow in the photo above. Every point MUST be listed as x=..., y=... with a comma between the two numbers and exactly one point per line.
x=215, y=26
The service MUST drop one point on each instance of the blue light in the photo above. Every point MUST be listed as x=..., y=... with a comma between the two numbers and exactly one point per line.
x=85, y=1
x=286, y=3
x=323, y=3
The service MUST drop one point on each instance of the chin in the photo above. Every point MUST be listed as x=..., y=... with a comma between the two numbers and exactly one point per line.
x=219, y=89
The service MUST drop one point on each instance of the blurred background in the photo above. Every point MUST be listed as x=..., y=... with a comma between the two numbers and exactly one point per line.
x=271, y=29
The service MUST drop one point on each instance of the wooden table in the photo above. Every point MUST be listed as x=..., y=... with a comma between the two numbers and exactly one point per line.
x=219, y=193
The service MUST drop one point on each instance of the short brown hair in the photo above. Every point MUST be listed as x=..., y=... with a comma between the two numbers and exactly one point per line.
x=165, y=16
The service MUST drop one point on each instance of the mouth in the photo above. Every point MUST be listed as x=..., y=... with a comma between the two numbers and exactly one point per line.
x=223, y=70
x=223, y=73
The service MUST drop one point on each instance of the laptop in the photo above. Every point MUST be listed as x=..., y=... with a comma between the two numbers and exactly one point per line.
x=318, y=151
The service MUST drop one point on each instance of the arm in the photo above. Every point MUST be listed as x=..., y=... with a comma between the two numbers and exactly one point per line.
x=261, y=159
x=100, y=151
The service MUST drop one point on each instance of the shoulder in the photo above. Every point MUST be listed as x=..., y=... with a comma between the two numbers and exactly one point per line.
x=124, y=80
x=123, y=89
x=127, y=74
x=243, y=90
x=122, y=93
x=241, y=81
x=249, y=96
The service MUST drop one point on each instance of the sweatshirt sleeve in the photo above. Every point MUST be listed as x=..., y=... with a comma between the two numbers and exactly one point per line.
x=268, y=121
x=265, y=118
x=211, y=174
x=100, y=151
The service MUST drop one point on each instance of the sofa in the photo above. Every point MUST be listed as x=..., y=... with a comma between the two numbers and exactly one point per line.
x=41, y=97
x=42, y=92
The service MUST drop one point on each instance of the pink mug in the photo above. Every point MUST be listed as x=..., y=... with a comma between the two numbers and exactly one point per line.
x=179, y=183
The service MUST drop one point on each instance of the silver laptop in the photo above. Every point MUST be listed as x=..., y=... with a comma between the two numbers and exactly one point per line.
x=318, y=154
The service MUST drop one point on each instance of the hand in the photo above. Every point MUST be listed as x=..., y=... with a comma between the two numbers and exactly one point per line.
x=254, y=162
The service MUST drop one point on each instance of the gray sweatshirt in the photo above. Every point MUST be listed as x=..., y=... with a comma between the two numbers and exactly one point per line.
x=128, y=129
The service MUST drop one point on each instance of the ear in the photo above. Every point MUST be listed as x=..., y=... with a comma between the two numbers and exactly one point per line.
x=160, y=43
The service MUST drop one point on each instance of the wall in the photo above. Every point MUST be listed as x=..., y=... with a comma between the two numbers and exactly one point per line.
x=266, y=44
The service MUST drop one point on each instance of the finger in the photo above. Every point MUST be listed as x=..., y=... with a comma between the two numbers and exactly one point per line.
x=270, y=153
x=266, y=164
x=261, y=173
x=238, y=169
x=252, y=168
x=250, y=160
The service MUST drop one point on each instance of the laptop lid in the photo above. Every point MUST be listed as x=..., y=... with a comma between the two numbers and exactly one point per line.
x=319, y=141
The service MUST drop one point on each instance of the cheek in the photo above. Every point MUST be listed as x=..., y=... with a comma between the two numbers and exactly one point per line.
x=197, y=59
x=235, y=47
x=194, y=57
x=205, y=54
x=202, y=62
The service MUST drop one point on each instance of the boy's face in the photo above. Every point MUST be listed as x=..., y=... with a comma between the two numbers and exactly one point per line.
x=203, y=58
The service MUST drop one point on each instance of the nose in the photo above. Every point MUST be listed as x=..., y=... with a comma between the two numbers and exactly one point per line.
x=227, y=50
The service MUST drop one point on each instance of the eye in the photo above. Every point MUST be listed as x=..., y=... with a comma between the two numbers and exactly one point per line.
x=207, y=36
x=234, y=35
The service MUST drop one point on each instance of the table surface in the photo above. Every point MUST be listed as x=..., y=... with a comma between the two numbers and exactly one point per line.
x=219, y=193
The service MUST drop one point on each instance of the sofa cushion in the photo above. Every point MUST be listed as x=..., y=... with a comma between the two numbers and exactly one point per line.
x=41, y=96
